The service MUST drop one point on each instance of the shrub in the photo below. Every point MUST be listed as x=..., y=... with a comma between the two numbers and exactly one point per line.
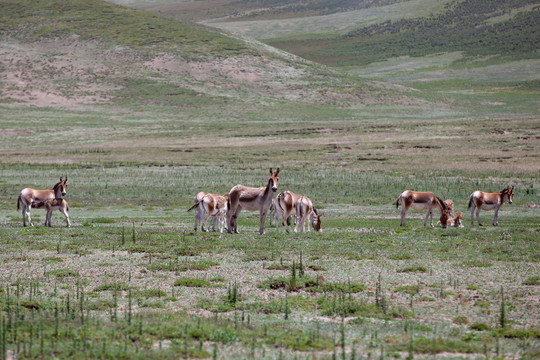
x=112, y=287
x=532, y=280
x=62, y=273
x=192, y=282
x=417, y=268
x=478, y=326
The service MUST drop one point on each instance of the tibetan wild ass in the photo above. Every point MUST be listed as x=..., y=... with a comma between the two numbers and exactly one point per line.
x=251, y=199
x=53, y=204
x=305, y=209
x=290, y=204
x=452, y=222
x=420, y=201
x=214, y=205
x=489, y=201
x=29, y=196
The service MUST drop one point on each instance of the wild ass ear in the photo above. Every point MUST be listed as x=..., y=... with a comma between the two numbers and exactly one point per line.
x=271, y=172
x=277, y=171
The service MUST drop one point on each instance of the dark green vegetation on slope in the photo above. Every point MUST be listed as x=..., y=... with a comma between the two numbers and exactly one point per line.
x=502, y=28
x=29, y=21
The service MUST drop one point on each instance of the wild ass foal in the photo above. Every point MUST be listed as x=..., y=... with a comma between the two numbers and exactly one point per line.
x=54, y=204
x=421, y=201
x=290, y=204
x=251, y=199
x=489, y=201
x=28, y=196
x=214, y=205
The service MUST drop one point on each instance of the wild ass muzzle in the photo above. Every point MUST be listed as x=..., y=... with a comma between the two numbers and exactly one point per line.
x=251, y=199
x=421, y=201
x=29, y=196
x=213, y=205
x=489, y=201
x=51, y=205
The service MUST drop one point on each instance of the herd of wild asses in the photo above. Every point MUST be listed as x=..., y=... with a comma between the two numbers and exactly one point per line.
x=286, y=205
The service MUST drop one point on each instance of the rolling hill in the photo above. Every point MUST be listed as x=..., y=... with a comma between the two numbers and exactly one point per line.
x=71, y=54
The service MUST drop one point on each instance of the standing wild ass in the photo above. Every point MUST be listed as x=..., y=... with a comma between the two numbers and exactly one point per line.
x=53, y=204
x=251, y=199
x=28, y=196
x=489, y=201
x=290, y=204
x=214, y=205
x=421, y=201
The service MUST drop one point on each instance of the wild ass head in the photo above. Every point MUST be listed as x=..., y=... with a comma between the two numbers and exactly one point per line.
x=274, y=179
x=60, y=188
x=316, y=221
x=509, y=191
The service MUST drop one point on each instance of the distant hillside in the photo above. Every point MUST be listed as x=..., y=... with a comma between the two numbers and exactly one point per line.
x=241, y=10
x=71, y=53
x=476, y=27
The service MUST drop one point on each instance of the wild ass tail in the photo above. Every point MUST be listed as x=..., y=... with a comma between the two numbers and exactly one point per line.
x=470, y=202
x=397, y=201
x=194, y=206
x=19, y=202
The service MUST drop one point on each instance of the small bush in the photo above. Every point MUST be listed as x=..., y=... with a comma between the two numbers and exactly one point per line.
x=417, y=268
x=478, y=326
x=147, y=293
x=112, y=287
x=460, y=320
x=62, y=273
x=532, y=280
x=192, y=282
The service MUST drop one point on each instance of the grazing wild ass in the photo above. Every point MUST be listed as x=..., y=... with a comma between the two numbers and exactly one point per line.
x=489, y=201
x=251, y=199
x=421, y=201
x=305, y=209
x=449, y=204
x=29, y=196
x=289, y=204
x=53, y=204
x=213, y=205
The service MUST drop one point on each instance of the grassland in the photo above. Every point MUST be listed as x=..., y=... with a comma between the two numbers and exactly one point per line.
x=139, y=129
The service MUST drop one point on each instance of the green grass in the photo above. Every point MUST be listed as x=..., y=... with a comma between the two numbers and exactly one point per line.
x=131, y=279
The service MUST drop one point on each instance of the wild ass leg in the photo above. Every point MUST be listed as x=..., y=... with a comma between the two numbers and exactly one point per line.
x=234, y=219
x=263, y=219
x=472, y=213
x=495, y=221
x=68, y=223
x=478, y=216
x=48, y=217
x=199, y=216
x=213, y=223
x=403, y=214
x=28, y=215
x=277, y=214
x=24, y=215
